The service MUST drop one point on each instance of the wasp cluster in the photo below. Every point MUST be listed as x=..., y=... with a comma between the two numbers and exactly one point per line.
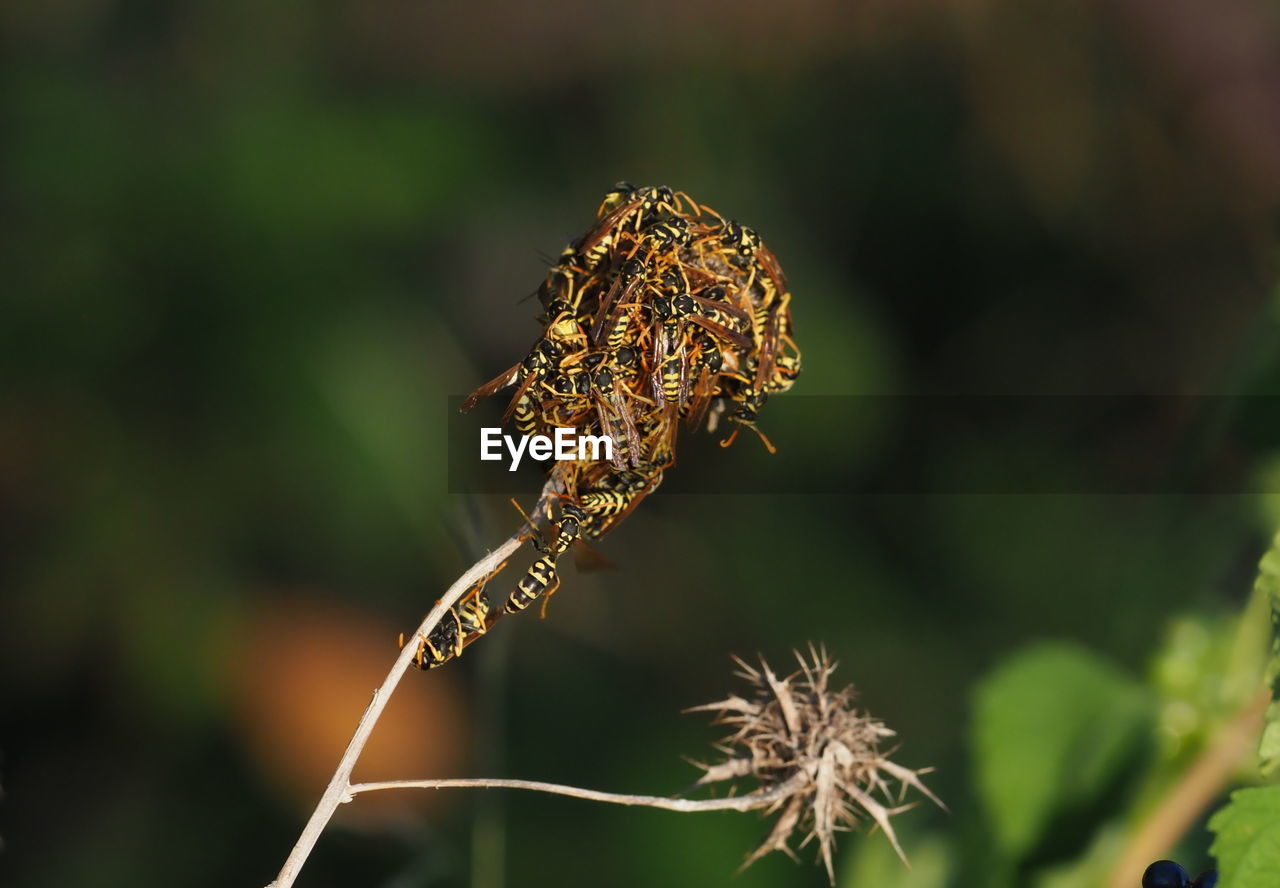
x=662, y=314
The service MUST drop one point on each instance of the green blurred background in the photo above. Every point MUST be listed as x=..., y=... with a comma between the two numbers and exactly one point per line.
x=252, y=248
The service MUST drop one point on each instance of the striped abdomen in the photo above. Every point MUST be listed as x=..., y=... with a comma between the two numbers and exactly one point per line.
x=541, y=574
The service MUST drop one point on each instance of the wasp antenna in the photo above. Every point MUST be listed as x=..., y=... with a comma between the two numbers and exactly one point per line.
x=524, y=515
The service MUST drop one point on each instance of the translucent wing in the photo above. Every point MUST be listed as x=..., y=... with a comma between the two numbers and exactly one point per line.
x=497, y=384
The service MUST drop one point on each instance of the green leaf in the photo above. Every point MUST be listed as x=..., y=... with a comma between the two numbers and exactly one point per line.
x=1247, y=838
x=1268, y=585
x=1053, y=726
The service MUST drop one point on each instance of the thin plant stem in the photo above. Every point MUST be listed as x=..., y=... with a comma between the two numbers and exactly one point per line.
x=751, y=801
x=1187, y=799
x=340, y=784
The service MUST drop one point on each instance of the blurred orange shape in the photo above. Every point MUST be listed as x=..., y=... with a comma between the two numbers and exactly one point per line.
x=303, y=673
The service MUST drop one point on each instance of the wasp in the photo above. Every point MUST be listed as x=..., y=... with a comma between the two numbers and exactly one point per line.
x=543, y=358
x=592, y=383
x=632, y=274
x=620, y=357
x=607, y=505
x=785, y=370
x=564, y=327
x=745, y=415
x=619, y=194
x=671, y=313
x=562, y=281
x=460, y=625
x=541, y=576
x=740, y=238
x=651, y=199
x=771, y=326
x=772, y=269
x=707, y=362
x=619, y=333
x=666, y=234
x=595, y=243
x=663, y=200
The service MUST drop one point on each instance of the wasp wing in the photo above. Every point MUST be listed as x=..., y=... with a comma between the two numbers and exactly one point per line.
x=497, y=384
x=723, y=332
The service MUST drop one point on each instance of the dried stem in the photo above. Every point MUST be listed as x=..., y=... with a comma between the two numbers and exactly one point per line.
x=751, y=801
x=339, y=786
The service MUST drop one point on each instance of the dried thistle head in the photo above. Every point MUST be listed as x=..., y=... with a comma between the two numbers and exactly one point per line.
x=816, y=758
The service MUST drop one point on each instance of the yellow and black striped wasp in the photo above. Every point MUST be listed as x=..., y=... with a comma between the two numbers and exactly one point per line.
x=461, y=624
x=673, y=309
x=472, y=617
x=607, y=499
x=542, y=577
x=594, y=388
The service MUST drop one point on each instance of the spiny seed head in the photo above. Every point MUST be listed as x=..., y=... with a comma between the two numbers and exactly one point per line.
x=796, y=735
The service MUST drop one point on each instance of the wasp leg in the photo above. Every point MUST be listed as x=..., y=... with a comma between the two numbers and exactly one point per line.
x=546, y=598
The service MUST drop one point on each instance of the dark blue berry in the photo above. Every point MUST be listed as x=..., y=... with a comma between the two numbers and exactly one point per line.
x=1165, y=874
x=1207, y=879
